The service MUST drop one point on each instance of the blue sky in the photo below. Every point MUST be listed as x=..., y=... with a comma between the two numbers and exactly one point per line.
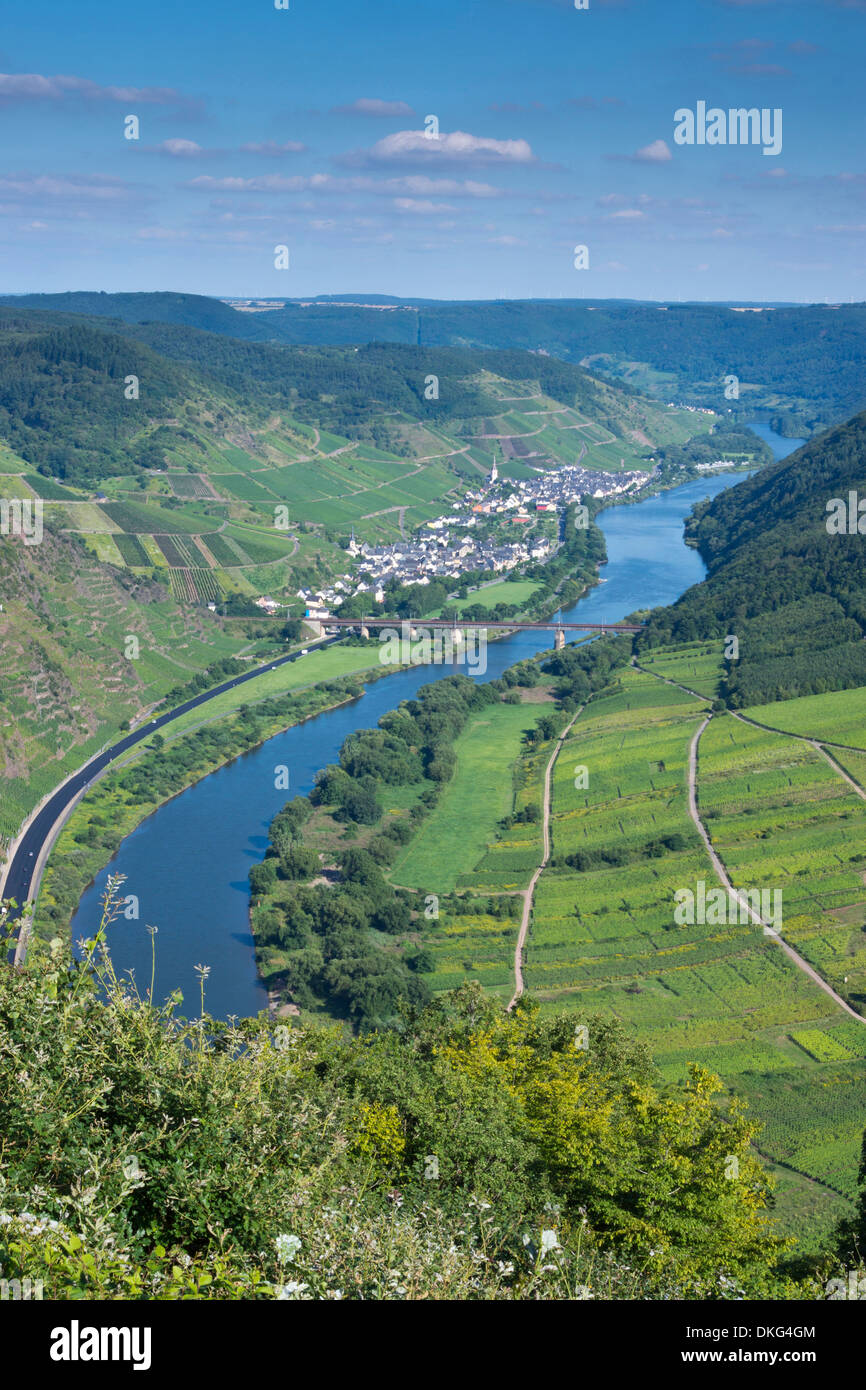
x=305, y=127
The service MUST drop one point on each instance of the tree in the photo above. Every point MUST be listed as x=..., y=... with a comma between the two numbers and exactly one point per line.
x=298, y=863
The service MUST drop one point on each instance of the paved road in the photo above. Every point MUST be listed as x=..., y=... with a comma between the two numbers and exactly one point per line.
x=19, y=878
x=530, y=891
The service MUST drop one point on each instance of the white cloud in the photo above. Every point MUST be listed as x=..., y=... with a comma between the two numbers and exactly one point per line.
x=189, y=149
x=67, y=186
x=421, y=205
x=655, y=153
x=32, y=86
x=455, y=147
x=373, y=106
x=180, y=149
x=412, y=185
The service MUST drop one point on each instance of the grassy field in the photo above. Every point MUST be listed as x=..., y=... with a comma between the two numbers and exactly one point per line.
x=456, y=835
x=516, y=591
x=318, y=666
x=475, y=945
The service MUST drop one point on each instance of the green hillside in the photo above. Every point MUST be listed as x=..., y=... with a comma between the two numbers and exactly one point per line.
x=803, y=364
x=271, y=455
x=68, y=683
x=792, y=593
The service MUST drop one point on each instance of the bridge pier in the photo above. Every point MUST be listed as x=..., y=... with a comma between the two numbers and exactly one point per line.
x=456, y=635
x=560, y=639
x=365, y=631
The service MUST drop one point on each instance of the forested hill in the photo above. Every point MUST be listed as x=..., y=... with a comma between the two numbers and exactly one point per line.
x=803, y=363
x=196, y=310
x=793, y=593
x=63, y=402
x=334, y=386
x=64, y=407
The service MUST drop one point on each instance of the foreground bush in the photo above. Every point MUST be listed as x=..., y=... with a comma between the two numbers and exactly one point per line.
x=468, y=1154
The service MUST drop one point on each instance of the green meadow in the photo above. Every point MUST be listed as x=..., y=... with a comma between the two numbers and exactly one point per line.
x=456, y=835
x=325, y=665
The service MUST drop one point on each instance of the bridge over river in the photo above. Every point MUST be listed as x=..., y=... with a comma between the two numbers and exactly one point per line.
x=457, y=625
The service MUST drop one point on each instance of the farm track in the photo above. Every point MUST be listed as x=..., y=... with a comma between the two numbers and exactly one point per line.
x=529, y=893
x=718, y=866
x=819, y=743
x=401, y=518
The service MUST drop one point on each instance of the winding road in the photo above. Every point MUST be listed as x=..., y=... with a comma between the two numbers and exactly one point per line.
x=43, y=824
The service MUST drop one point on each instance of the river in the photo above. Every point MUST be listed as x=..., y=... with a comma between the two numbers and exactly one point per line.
x=188, y=862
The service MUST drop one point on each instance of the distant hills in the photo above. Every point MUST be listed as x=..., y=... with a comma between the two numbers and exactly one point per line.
x=791, y=592
x=804, y=365
x=83, y=399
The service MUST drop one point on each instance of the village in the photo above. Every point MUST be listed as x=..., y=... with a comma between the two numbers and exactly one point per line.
x=476, y=536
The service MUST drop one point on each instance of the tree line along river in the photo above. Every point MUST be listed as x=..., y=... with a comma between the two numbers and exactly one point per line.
x=188, y=863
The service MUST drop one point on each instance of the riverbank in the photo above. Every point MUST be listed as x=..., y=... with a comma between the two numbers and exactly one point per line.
x=76, y=835
x=111, y=811
x=421, y=796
